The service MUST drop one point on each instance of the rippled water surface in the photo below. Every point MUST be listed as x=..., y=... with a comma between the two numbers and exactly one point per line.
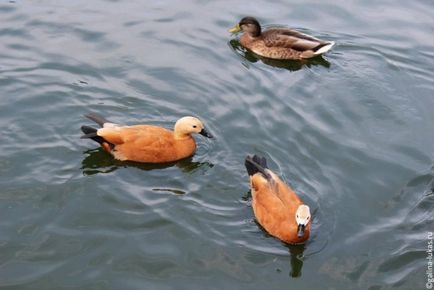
x=352, y=132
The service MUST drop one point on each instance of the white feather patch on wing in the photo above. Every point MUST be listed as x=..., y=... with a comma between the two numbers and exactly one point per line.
x=325, y=48
x=110, y=125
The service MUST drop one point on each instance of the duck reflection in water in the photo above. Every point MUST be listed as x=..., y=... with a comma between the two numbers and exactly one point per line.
x=297, y=254
x=291, y=65
x=99, y=161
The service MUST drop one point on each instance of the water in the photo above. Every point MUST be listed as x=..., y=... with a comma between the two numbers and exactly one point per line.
x=351, y=132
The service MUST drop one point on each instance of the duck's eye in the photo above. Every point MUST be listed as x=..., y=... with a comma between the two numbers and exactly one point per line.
x=194, y=126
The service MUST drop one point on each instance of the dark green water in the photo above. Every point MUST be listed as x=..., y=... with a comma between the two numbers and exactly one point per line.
x=352, y=133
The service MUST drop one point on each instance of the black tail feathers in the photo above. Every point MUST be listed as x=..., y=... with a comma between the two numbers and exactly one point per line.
x=255, y=164
x=100, y=120
x=87, y=130
x=90, y=132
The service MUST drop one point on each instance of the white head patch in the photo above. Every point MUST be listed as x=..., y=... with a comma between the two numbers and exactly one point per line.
x=302, y=215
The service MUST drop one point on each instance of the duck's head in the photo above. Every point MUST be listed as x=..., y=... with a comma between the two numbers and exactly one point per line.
x=302, y=217
x=187, y=126
x=249, y=25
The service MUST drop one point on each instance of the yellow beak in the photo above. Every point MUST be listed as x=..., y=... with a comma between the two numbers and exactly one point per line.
x=235, y=29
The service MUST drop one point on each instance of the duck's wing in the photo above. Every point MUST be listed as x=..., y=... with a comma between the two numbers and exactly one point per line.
x=152, y=138
x=286, y=194
x=288, y=38
x=270, y=201
x=264, y=181
x=139, y=136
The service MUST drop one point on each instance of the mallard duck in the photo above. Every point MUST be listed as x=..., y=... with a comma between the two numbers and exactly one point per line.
x=277, y=208
x=279, y=43
x=146, y=143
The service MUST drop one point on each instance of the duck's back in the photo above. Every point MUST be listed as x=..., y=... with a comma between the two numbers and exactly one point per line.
x=282, y=43
x=274, y=204
x=269, y=47
x=146, y=143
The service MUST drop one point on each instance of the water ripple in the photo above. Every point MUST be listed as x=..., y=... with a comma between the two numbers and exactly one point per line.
x=350, y=132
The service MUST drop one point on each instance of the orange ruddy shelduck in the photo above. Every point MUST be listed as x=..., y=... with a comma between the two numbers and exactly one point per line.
x=276, y=206
x=146, y=143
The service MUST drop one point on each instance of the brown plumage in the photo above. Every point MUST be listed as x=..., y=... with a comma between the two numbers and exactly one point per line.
x=146, y=143
x=277, y=208
x=279, y=43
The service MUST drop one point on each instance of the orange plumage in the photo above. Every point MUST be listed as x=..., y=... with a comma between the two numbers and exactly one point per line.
x=146, y=143
x=277, y=208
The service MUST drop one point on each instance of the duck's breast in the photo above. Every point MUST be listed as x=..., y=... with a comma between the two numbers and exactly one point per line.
x=185, y=147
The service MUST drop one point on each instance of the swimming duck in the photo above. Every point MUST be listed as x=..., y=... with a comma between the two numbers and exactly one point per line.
x=146, y=143
x=276, y=206
x=279, y=43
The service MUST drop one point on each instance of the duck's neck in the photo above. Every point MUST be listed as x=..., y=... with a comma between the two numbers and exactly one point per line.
x=249, y=37
x=178, y=132
x=179, y=136
x=256, y=32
